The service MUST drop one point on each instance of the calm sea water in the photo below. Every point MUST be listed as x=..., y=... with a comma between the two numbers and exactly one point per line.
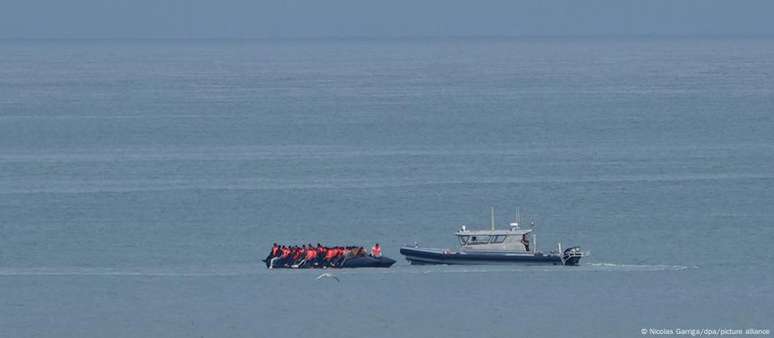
x=140, y=181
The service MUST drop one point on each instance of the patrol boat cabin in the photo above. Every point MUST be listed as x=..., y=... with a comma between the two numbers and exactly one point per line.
x=513, y=240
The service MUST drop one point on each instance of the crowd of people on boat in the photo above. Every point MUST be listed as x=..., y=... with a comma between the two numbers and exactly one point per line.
x=309, y=256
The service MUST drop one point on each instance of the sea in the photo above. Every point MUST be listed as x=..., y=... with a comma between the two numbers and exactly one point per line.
x=141, y=182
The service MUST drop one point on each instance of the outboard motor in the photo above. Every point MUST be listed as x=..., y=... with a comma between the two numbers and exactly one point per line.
x=572, y=255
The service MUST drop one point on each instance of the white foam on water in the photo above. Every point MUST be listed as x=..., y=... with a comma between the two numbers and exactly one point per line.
x=638, y=267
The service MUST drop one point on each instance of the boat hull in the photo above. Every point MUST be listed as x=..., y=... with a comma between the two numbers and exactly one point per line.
x=354, y=262
x=440, y=256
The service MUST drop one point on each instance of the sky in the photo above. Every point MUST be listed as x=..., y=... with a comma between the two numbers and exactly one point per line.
x=381, y=18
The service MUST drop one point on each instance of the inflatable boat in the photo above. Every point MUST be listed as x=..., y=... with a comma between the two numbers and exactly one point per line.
x=352, y=262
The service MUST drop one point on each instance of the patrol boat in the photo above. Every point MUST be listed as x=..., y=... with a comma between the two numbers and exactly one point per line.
x=495, y=246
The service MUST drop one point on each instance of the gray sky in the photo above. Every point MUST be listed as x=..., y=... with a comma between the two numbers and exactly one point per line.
x=379, y=18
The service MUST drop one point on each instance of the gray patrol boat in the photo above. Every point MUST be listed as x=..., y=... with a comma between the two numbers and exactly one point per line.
x=495, y=246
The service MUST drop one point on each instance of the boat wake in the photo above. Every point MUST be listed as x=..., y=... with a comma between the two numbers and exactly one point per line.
x=636, y=267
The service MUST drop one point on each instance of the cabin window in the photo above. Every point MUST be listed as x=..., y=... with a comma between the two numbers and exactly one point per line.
x=479, y=239
x=498, y=239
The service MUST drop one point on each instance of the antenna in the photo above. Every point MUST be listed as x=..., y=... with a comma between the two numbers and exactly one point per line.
x=493, y=221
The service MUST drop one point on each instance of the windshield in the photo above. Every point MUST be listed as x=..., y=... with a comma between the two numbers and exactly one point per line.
x=464, y=239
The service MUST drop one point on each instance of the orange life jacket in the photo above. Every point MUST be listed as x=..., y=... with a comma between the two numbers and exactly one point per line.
x=376, y=251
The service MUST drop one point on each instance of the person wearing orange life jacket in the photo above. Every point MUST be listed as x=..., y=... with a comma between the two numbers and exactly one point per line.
x=339, y=257
x=298, y=253
x=272, y=255
x=311, y=257
x=311, y=254
x=345, y=254
x=376, y=250
x=330, y=254
x=280, y=253
x=321, y=250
